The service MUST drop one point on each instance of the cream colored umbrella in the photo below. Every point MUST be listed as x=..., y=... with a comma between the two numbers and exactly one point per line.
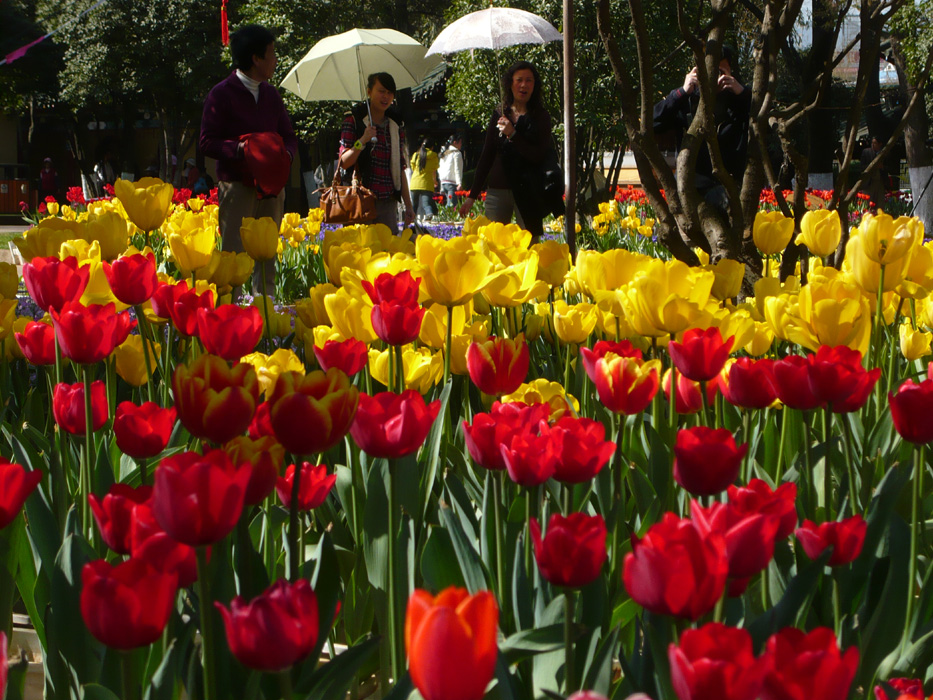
x=337, y=66
x=494, y=28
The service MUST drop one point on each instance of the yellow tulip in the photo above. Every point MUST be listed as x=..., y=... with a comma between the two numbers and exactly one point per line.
x=459, y=344
x=43, y=241
x=269, y=367
x=110, y=232
x=505, y=240
x=610, y=270
x=553, y=262
x=454, y=270
x=543, y=391
x=914, y=343
x=820, y=231
x=260, y=237
x=762, y=339
x=771, y=287
x=423, y=369
x=350, y=315
x=243, y=269
x=9, y=280
x=574, y=324
x=513, y=285
x=729, y=275
x=918, y=277
x=195, y=204
x=737, y=323
x=380, y=239
x=321, y=334
x=867, y=272
x=472, y=226
x=131, y=365
x=668, y=298
x=219, y=270
x=345, y=255
x=772, y=231
x=192, y=249
x=311, y=309
x=434, y=324
x=147, y=202
x=886, y=240
x=279, y=325
x=7, y=316
x=832, y=311
x=11, y=349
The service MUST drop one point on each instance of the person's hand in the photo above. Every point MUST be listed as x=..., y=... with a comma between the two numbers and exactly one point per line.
x=690, y=81
x=409, y=215
x=505, y=126
x=465, y=206
x=727, y=82
x=368, y=135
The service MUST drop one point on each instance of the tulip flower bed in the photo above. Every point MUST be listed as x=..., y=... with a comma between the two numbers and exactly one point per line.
x=463, y=468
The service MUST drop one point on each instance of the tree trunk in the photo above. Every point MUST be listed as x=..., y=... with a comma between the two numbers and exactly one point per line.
x=822, y=150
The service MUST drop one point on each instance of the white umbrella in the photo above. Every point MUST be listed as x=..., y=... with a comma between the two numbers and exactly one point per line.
x=336, y=67
x=494, y=28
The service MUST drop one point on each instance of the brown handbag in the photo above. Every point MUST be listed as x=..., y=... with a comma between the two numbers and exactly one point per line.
x=347, y=204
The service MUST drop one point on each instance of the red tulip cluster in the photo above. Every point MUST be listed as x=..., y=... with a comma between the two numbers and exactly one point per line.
x=687, y=396
x=518, y=438
x=837, y=378
x=313, y=487
x=180, y=304
x=716, y=662
x=846, y=537
x=396, y=314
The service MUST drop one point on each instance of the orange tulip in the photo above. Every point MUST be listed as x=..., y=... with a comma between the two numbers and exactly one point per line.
x=215, y=402
x=451, y=643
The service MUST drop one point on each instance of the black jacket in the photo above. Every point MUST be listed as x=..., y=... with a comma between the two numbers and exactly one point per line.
x=675, y=112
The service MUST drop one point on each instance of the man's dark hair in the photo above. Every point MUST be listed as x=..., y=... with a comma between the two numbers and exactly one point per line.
x=246, y=42
x=728, y=55
x=534, y=102
x=385, y=79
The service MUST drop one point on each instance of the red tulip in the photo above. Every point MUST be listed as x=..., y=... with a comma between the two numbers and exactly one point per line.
x=114, y=514
x=127, y=605
x=580, y=448
x=151, y=543
x=715, y=662
x=846, y=537
x=312, y=413
x=214, y=401
x=313, y=488
x=676, y=570
x=706, y=461
x=573, y=549
x=143, y=431
x=792, y=384
x=163, y=298
x=498, y=366
x=395, y=289
x=393, y=425
x=264, y=456
x=16, y=484
x=702, y=353
x=758, y=497
x=749, y=383
x=688, y=398
x=276, y=629
x=37, y=341
x=625, y=385
x=490, y=430
x=261, y=424
x=895, y=688
x=451, y=641
x=132, y=278
x=912, y=411
x=198, y=499
x=185, y=307
x=68, y=407
x=529, y=459
x=397, y=324
x=837, y=377
x=750, y=538
x=601, y=348
x=350, y=356
x=230, y=331
x=52, y=282
x=807, y=666
x=88, y=334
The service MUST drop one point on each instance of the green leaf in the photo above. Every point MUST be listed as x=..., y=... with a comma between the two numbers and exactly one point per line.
x=471, y=567
x=375, y=524
x=432, y=448
x=528, y=643
x=92, y=691
x=597, y=676
x=331, y=681
x=439, y=566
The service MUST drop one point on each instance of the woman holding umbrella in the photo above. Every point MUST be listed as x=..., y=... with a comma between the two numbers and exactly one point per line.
x=512, y=163
x=372, y=140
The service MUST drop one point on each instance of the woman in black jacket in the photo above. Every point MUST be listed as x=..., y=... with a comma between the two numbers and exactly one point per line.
x=511, y=166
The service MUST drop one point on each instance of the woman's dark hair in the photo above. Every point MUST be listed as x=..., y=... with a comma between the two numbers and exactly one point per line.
x=426, y=145
x=386, y=79
x=535, y=102
x=246, y=42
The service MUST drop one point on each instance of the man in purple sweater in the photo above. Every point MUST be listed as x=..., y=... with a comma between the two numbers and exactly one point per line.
x=242, y=104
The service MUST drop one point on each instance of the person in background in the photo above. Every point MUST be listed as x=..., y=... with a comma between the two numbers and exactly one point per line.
x=424, y=164
x=246, y=128
x=517, y=139
x=190, y=175
x=450, y=171
x=372, y=138
x=48, y=181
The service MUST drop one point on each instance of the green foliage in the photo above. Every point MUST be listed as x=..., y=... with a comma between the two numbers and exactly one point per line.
x=34, y=77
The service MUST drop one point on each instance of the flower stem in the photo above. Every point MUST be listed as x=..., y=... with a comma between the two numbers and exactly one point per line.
x=265, y=305
x=147, y=343
x=394, y=659
x=447, y=347
x=293, y=561
x=916, y=491
x=497, y=514
x=399, y=368
x=207, y=631
x=569, y=684
x=130, y=686
x=285, y=683
x=88, y=454
x=827, y=471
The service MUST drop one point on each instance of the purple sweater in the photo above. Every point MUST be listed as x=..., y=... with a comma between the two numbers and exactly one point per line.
x=231, y=112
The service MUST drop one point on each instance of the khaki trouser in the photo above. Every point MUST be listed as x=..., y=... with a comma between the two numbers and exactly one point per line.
x=238, y=201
